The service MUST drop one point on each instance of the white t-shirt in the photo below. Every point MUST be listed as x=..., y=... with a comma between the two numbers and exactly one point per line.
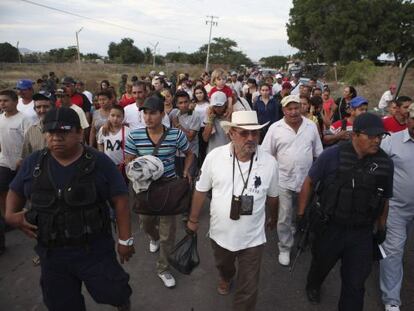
x=113, y=144
x=385, y=98
x=135, y=118
x=276, y=88
x=82, y=117
x=217, y=174
x=294, y=152
x=88, y=95
x=12, y=130
x=237, y=87
x=28, y=110
x=201, y=110
x=189, y=122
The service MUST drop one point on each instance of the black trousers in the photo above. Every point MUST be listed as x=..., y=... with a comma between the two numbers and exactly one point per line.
x=63, y=270
x=354, y=247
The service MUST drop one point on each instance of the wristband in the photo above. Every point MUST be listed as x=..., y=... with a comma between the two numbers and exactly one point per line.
x=128, y=242
x=193, y=222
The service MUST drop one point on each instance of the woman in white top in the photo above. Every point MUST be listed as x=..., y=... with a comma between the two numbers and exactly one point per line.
x=200, y=99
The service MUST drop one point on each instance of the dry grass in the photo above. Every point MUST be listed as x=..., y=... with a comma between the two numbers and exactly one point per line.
x=91, y=74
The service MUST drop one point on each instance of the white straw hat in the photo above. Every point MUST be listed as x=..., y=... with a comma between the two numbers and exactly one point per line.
x=243, y=119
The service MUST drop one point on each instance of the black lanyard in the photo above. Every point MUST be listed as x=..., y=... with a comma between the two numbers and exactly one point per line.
x=245, y=182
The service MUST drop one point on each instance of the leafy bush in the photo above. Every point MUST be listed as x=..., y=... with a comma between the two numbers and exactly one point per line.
x=357, y=73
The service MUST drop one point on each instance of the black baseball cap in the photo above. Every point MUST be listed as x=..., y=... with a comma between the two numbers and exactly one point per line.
x=370, y=124
x=42, y=95
x=61, y=119
x=153, y=103
x=68, y=80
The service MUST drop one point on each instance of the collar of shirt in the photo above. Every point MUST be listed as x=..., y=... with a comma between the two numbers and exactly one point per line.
x=407, y=137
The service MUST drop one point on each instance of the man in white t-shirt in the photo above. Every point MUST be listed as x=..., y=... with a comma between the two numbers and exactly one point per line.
x=66, y=102
x=387, y=97
x=13, y=125
x=277, y=87
x=294, y=142
x=80, y=87
x=133, y=116
x=236, y=85
x=243, y=178
x=26, y=104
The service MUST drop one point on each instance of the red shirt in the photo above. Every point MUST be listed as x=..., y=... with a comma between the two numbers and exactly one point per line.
x=226, y=90
x=78, y=100
x=124, y=101
x=392, y=125
x=336, y=127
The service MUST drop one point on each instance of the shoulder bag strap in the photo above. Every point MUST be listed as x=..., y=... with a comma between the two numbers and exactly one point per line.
x=123, y=144
x=158, y=144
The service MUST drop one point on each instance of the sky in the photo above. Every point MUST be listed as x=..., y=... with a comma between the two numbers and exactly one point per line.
x=258, y=27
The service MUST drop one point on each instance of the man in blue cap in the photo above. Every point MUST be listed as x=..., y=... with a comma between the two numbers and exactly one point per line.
x=341, y=130
x=26, y=103
x=355, y=182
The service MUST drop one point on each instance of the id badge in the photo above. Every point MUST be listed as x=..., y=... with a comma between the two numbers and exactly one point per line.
x=246, y=205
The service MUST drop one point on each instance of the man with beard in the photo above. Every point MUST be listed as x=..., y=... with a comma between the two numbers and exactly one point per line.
x=243, y=178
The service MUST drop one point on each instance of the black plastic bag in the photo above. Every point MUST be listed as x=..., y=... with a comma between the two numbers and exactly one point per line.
x=184, y=256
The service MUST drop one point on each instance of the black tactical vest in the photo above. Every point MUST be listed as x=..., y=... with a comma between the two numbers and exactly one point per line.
x=72, y=215
x=354, y=196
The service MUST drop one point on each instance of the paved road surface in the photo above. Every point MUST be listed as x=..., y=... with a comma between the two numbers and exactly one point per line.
x=279, y=290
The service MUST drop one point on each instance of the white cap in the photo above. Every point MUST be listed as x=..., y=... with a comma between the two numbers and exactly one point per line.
x=279, y=76
x=290, y=99
x=161, y=73
x=218, y=99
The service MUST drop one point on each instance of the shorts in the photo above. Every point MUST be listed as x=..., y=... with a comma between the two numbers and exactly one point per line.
x=6, y=177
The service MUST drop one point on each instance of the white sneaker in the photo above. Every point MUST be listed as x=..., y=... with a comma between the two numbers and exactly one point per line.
x=284, y=258
x=154, y=246
x=167, y=278
x=392, y=308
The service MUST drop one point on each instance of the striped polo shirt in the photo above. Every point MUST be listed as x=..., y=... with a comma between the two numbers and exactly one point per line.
x=139, y=143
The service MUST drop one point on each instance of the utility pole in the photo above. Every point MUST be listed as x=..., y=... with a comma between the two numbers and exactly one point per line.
x=18, y=52
x=77, y=45
x=154, y=46
x=212, y=23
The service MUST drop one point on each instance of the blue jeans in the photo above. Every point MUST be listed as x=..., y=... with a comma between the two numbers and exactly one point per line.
x=63, y=270
x=391, y=268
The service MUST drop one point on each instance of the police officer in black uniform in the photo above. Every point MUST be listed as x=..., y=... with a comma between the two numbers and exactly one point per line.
x=71, y=188
x=355, y=185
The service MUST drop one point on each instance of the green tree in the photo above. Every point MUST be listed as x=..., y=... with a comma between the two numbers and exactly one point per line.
x=125, y=52
x=8, y=53
x=148, y=55
x=274, y=61
x=177, y=57
x=347, y=30
x=63, y=55
x=222, y=51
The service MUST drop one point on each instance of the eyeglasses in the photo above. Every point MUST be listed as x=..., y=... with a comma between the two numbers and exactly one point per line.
x=246, y=133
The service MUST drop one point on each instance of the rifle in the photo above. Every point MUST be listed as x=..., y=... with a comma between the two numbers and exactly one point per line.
x=311, y=215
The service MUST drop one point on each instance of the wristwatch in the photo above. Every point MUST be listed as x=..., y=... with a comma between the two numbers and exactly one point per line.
x=128, y=242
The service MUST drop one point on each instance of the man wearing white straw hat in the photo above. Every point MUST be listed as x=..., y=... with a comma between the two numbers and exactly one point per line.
x=294, y=142
x=243, y=179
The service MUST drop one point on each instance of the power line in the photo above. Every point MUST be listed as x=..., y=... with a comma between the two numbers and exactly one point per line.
x=100, y=21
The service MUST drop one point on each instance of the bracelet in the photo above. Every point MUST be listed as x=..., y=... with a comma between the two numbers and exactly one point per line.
x=193, y=222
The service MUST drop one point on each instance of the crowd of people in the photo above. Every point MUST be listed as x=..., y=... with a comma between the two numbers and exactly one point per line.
x=246, y=141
